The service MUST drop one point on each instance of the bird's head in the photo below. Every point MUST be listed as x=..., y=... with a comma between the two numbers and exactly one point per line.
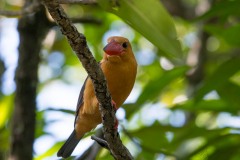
x=117, y=46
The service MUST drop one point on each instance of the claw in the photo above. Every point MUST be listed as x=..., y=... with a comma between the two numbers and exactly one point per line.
x=116, y=124
x=115, y=108
x=114, y=104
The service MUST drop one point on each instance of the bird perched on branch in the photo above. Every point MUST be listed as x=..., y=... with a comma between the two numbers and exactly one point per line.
x=119, y=67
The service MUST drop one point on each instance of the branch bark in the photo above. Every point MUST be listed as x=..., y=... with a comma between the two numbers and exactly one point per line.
x=79, y=45
x=85, y=2
x=32, y=30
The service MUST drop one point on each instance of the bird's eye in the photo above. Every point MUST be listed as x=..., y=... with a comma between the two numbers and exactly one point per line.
x=124, y=45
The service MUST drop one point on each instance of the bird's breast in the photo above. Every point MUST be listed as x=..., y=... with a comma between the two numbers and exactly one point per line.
x=120, y=79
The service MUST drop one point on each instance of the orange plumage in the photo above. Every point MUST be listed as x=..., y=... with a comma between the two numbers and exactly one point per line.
x=119, y=67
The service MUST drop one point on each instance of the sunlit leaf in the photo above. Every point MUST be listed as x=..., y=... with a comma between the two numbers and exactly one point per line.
x=5, y=109
x=204, y=154
x=152, y=21
x=40, y=124
x=104, y=155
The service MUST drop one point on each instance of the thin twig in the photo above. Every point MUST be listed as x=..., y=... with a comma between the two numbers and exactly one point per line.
x=83, y=20
x=79, y=45
x=10, y=13
x=32, y=8
x=85, y=2
x=100, y=141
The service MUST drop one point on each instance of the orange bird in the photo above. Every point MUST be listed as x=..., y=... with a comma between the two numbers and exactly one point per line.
x=119, y=67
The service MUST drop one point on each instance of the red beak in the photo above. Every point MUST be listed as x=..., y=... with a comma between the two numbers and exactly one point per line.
x=113, y=48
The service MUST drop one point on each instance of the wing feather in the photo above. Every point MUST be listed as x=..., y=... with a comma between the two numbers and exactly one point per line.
x=80, y=99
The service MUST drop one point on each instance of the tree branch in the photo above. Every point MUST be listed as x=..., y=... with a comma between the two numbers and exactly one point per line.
x=79, y=45
x=85, y=2
x=83, y=20
x=100, y=141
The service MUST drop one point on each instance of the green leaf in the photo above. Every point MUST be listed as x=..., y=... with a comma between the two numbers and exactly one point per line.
x=154, y=87
x=191, y=131
x=153, y=137
x=130, y=109
x=204, y=154
x=219, y=77
x=152, y=21
x=144, y=155
x=40, y=124
x=230, y=93
x=220, y=145
x=207, y=105
x=104, y=155
x=227, y=34
x=6, y=106
x=4, y=138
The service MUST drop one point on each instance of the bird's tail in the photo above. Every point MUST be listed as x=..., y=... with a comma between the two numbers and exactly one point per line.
x=68, y=147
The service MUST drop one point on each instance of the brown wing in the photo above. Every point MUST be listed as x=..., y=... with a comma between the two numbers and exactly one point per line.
x=80, y=99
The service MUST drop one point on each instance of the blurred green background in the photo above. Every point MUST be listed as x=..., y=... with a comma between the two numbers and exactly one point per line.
x=186, y=99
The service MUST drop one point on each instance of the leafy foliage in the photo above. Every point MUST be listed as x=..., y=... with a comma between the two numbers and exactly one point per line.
x=168, y=116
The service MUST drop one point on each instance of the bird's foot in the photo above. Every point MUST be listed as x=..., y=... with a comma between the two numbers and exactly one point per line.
x=116, y=123
x=115, y=108
x=114, y=104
